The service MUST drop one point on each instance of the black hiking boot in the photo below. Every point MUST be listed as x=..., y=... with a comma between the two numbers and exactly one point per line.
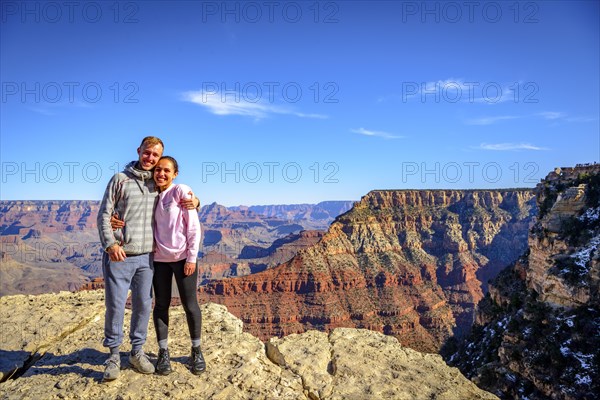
x=163, y=365
x=197, y=361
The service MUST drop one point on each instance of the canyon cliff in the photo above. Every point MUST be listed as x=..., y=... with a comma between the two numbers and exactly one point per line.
x=537, y=333
x=408, y=263
x=46, y=246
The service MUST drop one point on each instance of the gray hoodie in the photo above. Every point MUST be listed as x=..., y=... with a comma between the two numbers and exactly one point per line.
x=132, y=195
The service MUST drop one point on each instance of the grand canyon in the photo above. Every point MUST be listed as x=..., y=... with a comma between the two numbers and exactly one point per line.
x=502, y=283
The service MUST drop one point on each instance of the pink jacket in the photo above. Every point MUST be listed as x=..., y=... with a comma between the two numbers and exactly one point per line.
x=176, y=230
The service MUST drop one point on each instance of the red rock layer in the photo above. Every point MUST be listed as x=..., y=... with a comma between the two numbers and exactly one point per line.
x=94, y=284
x=407, y=263
x=53, y=216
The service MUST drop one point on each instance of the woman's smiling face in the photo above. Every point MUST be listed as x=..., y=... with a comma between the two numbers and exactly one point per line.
x=164, y=173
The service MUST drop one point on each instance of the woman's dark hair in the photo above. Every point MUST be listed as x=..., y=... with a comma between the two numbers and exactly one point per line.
x=173, y=161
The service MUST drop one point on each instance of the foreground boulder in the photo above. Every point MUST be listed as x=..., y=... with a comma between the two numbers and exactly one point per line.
x=51, y=348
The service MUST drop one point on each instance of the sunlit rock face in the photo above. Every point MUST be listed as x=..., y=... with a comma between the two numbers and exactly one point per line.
x=408, y=263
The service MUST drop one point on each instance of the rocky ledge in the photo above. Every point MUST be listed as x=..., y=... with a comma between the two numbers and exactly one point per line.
x=50, y=348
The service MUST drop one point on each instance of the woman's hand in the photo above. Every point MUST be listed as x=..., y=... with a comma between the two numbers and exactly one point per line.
x=116, y=223
x=190, y=204
x=189, y=268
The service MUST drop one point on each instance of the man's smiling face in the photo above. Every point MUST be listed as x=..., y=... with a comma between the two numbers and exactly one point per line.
x=149, y=156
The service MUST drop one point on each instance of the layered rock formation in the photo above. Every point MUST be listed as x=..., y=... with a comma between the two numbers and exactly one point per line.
x=56, y=339
x=253, y=259
x=228, y=231
x=565, y=237
x=311, y=216
x=48, y=246
x=239, y=242
x=538, y=332
x=408, y=263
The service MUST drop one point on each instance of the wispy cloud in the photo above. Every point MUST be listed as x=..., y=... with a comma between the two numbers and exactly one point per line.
x=447, y=90
x=551, y=115
x=509, y=146
x=228, y=106
x=48, y=108
x=456, y=90
x=555, y=116
x=42, y=110
x=382, y=134
x=580, y=119
x=490, y=120
x=558, y=116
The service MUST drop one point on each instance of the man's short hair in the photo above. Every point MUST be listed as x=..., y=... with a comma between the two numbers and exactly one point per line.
x=151, y=141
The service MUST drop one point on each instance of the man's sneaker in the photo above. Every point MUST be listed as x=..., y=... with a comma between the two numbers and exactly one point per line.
x=163, y=365
x=113, y=367
x=197, y=361
x=139, y=361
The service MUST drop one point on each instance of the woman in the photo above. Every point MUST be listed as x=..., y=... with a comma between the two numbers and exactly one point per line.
x=177, y=239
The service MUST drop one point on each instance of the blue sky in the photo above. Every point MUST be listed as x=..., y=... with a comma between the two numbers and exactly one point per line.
x=297, y=102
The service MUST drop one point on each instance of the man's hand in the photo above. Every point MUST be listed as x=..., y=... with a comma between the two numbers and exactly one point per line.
x=192, y=203
x=116, y=253
x=189, y=268
x=116, y=223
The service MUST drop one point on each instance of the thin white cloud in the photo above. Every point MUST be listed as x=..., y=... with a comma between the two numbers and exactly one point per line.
x=49, y=108
x=41, y=110
x=304, y=115
x=454, y=90
x=490, y=120
x=382, y=99
x=509, y=147
x=224, y=106
x=555, y=116
x=580, y=119
x=551, y=115
x=382, y=134
x=447, y=90
x=558, y=115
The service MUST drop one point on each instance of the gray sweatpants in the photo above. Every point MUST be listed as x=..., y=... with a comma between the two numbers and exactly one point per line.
x=134, y=273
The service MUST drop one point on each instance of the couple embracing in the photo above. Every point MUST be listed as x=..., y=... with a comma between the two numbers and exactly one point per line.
x=158, y=238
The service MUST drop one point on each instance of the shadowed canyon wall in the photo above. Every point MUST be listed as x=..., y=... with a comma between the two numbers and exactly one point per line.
x=537, y=333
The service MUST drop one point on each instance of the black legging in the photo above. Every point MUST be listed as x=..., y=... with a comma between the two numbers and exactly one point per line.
x=187, y=286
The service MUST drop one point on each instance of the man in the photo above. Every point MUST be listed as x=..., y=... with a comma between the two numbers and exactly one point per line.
x=127, y=262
